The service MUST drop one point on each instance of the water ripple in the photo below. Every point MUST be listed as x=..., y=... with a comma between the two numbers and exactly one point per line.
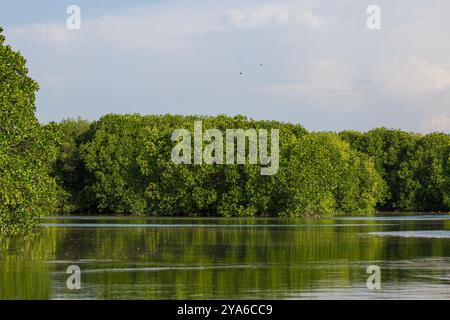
x=414, y=234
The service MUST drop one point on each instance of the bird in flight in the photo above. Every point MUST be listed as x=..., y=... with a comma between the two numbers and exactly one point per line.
x=260, y=64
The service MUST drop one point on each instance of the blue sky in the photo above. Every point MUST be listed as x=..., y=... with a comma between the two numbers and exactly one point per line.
x=321, y=66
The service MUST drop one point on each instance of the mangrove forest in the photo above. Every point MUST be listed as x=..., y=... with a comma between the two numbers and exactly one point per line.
x=121, y=164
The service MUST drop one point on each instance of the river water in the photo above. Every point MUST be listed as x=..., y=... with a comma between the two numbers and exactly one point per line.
x=215, y=258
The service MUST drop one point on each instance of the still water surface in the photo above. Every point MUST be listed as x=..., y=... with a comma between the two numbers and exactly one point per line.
x=209, y=258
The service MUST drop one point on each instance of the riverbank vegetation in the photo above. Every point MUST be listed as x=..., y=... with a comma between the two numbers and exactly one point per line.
x=121, y=164
x=27, y=149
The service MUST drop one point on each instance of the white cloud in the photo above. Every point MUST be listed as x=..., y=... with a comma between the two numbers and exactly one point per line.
x=415, y=75
x=436, y=123
x=162, y=27
x=181, y=57
x=329, y=83
x=270, y=14
x=165, y=27
x=44, y=33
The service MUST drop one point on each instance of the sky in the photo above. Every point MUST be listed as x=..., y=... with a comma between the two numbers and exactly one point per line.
x=313, y=62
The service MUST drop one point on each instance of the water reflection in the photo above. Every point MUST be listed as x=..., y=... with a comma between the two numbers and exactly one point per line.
x=160, y=258
x=414, y=234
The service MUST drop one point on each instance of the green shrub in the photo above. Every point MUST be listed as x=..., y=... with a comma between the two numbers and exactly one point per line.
x=128, y=159
x=27, y=192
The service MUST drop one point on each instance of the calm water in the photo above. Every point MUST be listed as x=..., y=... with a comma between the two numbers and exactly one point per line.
x=190, y=258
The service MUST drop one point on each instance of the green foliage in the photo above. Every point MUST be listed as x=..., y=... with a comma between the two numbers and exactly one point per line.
x=122, y=164
x=389, y=149
x=322, y=175
x=26, y=148
x=429, y=170
x=415, y=167
x=128, y=160
x=69, y=170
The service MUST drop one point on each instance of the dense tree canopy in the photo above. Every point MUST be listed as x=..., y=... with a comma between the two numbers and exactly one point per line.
x=415, y=167
x=69, y=168
x=122, y=164
x=126, y=168
x=428, y=174
x=26, y=148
